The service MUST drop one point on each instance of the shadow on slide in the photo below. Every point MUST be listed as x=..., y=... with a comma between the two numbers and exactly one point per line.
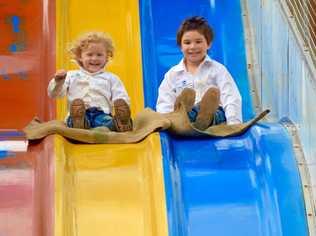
x=246, y=185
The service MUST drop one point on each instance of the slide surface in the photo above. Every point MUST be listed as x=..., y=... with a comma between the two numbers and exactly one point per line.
x=58, y=187
x=246, y=185
x=27, y=49
x=108, y=189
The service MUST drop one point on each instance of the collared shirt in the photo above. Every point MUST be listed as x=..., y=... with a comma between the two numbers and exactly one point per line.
x=209, y=74
x=98, y=89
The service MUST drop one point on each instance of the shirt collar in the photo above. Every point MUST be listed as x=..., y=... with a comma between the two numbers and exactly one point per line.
x=89, y=73
x=181, y=66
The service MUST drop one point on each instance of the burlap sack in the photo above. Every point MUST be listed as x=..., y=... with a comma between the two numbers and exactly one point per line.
x=146, y=122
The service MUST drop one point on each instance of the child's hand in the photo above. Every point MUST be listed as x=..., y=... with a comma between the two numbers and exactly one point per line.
x=60, y=75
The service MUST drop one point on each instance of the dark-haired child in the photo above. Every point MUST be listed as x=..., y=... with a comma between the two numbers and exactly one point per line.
x=205, y=86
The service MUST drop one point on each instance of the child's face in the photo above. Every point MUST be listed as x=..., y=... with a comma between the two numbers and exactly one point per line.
x=194, y=47
x=93, y=58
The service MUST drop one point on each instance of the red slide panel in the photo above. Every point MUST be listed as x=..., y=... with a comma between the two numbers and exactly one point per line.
x=27, y=62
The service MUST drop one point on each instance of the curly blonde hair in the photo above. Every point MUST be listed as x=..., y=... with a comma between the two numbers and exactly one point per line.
x=83, y=42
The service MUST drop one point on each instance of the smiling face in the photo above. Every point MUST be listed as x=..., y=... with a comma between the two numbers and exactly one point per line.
x=194, y=47
x=93, y=57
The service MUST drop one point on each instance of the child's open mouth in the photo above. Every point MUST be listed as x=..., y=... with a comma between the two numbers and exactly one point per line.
x=194, y=54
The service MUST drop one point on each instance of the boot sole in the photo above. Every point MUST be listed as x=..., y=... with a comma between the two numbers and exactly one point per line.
x=77, y=113
x=122, y=116
x=208, y=106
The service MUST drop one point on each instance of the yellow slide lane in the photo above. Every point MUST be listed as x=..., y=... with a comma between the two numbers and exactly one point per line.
x=107, y=189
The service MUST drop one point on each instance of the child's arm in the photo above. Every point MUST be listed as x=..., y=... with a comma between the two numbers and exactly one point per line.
x=118, y=90
x=56, y=85
x=166, y=96
x=230, y=98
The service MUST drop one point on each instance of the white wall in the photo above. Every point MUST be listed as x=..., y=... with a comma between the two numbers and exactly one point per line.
x=283, y=76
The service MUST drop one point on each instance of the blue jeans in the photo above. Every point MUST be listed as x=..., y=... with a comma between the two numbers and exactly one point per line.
x=219, y=116
x=95, y=117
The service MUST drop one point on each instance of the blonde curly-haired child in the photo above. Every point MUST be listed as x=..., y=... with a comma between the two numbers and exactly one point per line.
x=91, y=90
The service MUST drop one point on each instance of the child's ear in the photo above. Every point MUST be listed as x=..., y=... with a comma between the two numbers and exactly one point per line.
x=209, y=45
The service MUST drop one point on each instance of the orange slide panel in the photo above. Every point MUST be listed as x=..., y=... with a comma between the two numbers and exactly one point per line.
x=27, y=61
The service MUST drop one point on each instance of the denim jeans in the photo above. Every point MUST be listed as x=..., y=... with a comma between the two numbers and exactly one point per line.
x=219, y=116
x=95, y=117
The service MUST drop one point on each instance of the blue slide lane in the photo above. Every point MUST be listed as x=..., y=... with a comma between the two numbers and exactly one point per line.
x=246, y=185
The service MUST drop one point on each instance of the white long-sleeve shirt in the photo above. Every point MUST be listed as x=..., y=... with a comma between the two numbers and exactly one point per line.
x=209, y=74
x=98, y=89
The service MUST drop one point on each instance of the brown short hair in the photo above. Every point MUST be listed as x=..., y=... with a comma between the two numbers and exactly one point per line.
x=83, y=41
x=195, y=23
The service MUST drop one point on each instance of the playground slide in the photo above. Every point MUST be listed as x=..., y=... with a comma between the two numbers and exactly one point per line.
x=108, y=189
x=58, y=187
x=246, y=185
x=26, y=61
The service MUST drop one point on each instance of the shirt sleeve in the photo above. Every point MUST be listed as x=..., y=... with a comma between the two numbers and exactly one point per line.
x=118, y=90
x=52, y=84
x=230, y=98
x=166, y=96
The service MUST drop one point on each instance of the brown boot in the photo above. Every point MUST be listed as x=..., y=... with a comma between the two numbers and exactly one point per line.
x=77, y=113
x=187, y=97
x=122, y=116
x=208, y=106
